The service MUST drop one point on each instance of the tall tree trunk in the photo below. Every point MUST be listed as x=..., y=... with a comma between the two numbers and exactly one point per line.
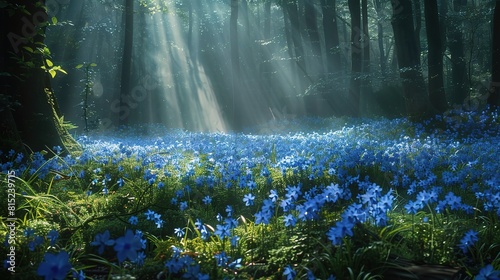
x=366, y=81
x=415, y=95
x=494, y=98
x=298, y=47
x=125, y=108
x=235, y=65
x=437, y=95
x=380, y=35
x=459, y=86
x=356, y=56
x=331, y=33
x=418, y=24
x=29, y=113
x=293, y=15
x=312, y=30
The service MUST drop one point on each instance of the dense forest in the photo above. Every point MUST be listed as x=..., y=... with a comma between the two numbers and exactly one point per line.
x=250, y=139
x=219, y=65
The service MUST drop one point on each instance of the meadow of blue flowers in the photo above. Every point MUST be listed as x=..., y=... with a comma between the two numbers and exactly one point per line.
x=297, y=199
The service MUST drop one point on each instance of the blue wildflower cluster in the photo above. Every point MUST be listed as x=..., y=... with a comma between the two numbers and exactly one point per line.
x=332, y=180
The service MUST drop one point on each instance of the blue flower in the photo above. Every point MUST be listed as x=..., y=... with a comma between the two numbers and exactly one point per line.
x=127, y=246
x=469, y=239
x=289, y=220
x=102, y=240
x=222, y=231
x=158, y=221
x=248, y=199
x=289, y=273
x=78, y=275
x=38, y=240
x=273, y=195
x=179, y=232
x=235, y=264
x=413, y=206
x=234, y=241
x=262, y=217
x=54, y=266
x=150, y=214
x=183, y=205
x=53, y=235
x=221, y=259
x=207, y=200
x=133, y=220
x=229, y=210
x=488, y=273
x=140, y=259
x=120, y=182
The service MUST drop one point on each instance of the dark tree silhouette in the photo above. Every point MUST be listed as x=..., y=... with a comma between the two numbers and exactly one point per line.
x=331, y=33
x=437, y=95
x=312, y=31
x=126, y=62
x=459, y=87
x=356, y=56
x=414, y=88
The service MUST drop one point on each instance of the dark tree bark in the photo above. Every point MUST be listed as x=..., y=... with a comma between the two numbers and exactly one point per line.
x=380, y=35
x=366, y=81
x=459, y=86
x=356, y=56
x=437, y=95
x=418, y=24
x=414, y=88
x=331, y=33
x=312, y=31
x=494, y=98
x=293, y=15
x=126, y=63
x=29, y=113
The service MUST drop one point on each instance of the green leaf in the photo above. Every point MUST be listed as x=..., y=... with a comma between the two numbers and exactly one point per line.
x=54, y=20
x=52, y=72
x=49, y=63
x=28, y=49
x=62, y=70
x=93, y=64
x=79, y=66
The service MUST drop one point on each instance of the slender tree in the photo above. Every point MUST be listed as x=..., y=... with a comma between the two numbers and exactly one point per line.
x=380, y=36
x=366, y=81
x=459, y=85
x=235, y=63
x=331, y=34
x=437, y=95
x=293, y=14
x=126, y=62
x=418, y=24
x=312, y=31
x=494, y=98
x=414, y=88
x=356, y=56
